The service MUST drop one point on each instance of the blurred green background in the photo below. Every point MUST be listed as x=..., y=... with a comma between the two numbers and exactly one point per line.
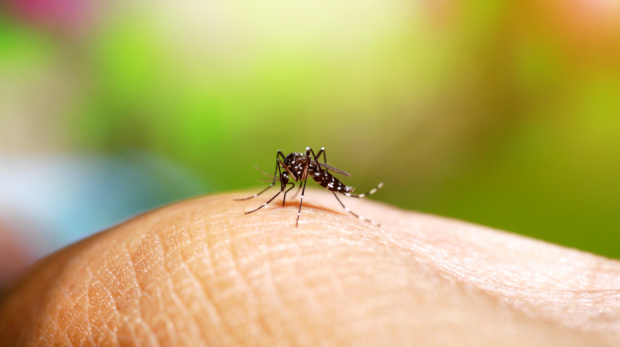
x=503, y=113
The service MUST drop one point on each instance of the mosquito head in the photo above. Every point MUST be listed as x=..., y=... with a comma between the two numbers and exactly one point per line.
x=284, y=178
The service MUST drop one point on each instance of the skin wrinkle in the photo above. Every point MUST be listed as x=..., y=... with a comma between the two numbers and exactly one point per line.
x=218, y=308
x=266, y=286
x=53, y=318
x=268, y=289
x=91, y=301
x=276, y=296
x=88, y=319
x=198, y=289
x=306, y=297
x=168, y=282
x=253, y=315
x=57, y=329
x=160, y=253
x=549, y=301
x=181, y=265
x=295, y=299
x=114, y=315
x=205, y=304
x=115, y=303
x=319, y=279
x=121, y=305
x=340, y=280
x=262, y=327
x=212, y=245
x=454, y=268
x=215, y=316
x=357, y=279
x=131, y=298
x=67, y=295
x=163, y=313
x=139, y=291
x=34, y=297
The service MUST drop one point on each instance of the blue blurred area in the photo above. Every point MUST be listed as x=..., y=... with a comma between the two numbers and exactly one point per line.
x=57, y=200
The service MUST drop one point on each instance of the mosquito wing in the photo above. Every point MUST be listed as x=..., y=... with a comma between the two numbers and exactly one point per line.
x=331, y=168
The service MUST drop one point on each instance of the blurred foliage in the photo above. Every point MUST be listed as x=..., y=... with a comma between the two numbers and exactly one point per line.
x=501, y=113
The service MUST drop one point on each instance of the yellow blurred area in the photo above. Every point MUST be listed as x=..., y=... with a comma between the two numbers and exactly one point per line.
x=504, y=113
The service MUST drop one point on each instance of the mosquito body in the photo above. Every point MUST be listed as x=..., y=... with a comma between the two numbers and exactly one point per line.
x=298, y=167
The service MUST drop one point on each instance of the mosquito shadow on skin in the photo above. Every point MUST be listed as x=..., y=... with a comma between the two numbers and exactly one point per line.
x=295, y=204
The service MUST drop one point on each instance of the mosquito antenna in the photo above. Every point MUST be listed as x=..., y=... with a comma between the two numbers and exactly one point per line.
x=263, y=172
x=271, y=180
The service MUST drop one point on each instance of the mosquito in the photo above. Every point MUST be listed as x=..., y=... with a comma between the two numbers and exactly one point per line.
x=298, y=167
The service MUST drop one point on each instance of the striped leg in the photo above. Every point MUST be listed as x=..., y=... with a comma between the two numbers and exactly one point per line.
x=257, y=194
x=374, y=190
x=284, y=200
x=301, y=201
x=265, y=204
x=317, y=157
x=355, y=214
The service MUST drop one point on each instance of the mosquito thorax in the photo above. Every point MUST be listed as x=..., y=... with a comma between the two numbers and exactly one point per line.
x=293, y=159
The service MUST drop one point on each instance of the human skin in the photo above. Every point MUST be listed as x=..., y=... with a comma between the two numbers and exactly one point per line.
x=201, y=273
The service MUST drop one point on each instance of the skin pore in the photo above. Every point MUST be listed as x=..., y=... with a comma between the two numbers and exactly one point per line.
x=201, y=273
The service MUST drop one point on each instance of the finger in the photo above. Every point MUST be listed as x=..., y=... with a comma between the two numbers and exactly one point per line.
x=200, y=272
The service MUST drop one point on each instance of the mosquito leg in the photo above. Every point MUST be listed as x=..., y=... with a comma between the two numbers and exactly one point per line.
x=303, y=175
x=297, y=192
x=308, y=151
x=257, y=194
x=284, y=200
x=374, y=190
x=301, y=201
x=287, y=169
x=275, y=177
x=265, y=204
x=317, y=157
x=355, y=214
